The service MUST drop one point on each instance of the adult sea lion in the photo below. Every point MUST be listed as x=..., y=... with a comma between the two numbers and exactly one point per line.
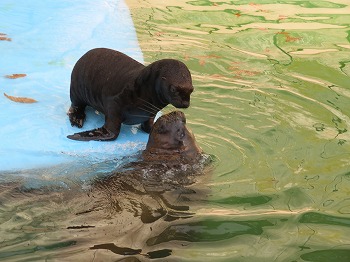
x=171, y=161
x=125, y=91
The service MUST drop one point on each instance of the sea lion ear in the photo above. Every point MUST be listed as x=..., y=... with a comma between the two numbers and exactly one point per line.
x=141, y=79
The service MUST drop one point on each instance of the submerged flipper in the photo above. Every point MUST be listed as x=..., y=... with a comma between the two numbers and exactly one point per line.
x=98, y=134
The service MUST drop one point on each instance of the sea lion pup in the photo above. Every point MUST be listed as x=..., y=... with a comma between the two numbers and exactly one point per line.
x=170, y=140
x=125, y=91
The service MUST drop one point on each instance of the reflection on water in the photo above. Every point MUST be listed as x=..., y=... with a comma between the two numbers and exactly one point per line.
x=271, y=102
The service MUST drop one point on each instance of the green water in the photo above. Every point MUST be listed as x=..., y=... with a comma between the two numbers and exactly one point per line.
x=271, y=104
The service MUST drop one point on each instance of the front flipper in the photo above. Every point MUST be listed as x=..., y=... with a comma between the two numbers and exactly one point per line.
x=77, y=115
x=98, y=134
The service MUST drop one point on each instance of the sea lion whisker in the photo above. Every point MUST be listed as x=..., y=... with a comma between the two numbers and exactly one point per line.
x=147, y=110
x=143, y=116
x=150, y=104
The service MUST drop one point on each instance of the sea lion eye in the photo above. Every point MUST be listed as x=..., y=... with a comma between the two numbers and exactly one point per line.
x=172, y=89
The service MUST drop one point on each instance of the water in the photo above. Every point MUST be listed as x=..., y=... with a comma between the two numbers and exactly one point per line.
x=271, y=101
x=271, y=104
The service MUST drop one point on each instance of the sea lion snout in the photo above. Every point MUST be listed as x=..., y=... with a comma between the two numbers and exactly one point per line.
x=180, y=136
x=184, y=104
x=181, y=97
x=179, y=103
x=170, y=139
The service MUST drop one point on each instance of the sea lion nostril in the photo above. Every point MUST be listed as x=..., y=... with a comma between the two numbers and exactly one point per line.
x=182, y=135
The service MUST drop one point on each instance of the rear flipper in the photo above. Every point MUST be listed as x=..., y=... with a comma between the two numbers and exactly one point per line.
x=98, y=134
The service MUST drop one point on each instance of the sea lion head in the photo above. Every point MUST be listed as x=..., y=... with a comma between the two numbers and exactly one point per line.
x=171, y=140
x=174, y=85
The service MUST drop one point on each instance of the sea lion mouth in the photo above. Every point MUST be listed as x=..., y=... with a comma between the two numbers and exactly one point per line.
x=180, y=98
x=181, y=104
